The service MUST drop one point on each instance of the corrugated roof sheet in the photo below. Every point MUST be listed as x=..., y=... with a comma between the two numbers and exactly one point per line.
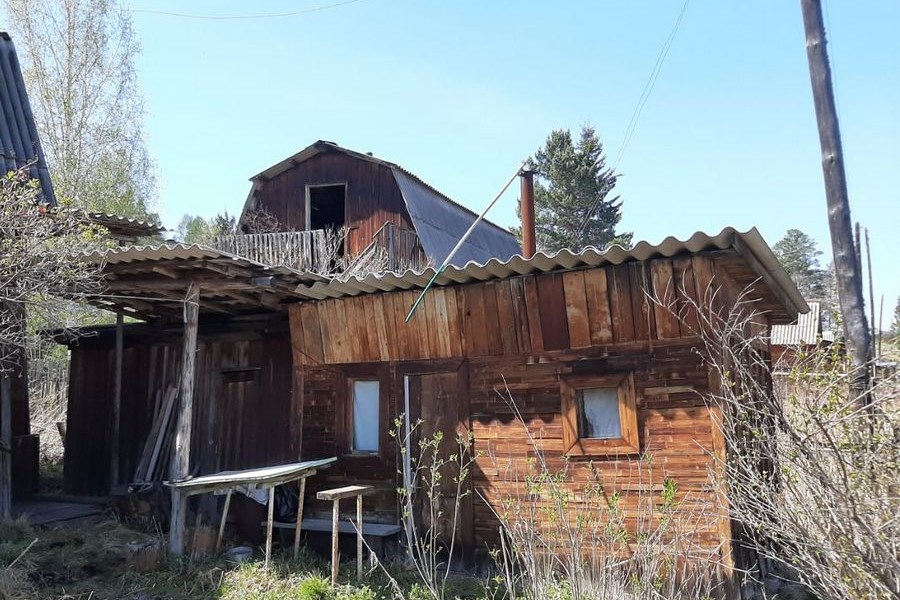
x=169, y=252
x=441, y=224
x=750, y=241
x=436, y=217
x=19, y=142
x=805, y=332
x=117, y=221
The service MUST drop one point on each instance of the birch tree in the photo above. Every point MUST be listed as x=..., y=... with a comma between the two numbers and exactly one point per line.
x=78, y=64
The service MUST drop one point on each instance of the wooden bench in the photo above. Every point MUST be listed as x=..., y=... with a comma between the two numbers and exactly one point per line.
x=336, y=495
x=375, y=534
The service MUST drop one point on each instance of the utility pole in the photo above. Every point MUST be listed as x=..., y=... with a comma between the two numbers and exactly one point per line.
x=847, y=268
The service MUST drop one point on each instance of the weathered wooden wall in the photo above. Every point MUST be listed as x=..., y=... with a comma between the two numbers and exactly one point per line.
x=518, y=337
x=372, y=200
x=242, y=411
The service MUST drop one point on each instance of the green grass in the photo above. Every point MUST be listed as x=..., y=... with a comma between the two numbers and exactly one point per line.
x=97, y=563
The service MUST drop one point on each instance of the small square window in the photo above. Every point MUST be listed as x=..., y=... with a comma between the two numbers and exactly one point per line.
x=599, y=412
x=599, y=415
x=366, y=426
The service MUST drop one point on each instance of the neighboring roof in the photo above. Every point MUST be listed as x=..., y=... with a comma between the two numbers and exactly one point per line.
x=439, y=220
x=807, y=331
x=764, y=267
x=124, y=227
x=19, y=142
x=151, y=281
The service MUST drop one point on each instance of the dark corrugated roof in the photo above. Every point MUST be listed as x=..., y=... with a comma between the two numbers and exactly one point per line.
x=436, y=217
x=19, y=142
x=441, y=224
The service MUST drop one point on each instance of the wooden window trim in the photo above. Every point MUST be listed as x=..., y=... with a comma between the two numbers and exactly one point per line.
x=344, y=410
x=574, y=445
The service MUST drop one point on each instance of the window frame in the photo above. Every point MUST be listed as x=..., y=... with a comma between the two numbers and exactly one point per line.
x=573, y=443
x=351, y=421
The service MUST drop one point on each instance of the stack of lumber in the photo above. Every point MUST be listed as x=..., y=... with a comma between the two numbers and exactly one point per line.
x=158, y=447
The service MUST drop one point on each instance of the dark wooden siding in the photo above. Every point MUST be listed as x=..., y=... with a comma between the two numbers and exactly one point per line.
x=239, y=424
x=373, y=197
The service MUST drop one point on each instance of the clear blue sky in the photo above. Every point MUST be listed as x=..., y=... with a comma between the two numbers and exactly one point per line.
x=460, y=92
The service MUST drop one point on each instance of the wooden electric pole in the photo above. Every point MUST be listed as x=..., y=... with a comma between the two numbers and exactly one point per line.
x=846, y=266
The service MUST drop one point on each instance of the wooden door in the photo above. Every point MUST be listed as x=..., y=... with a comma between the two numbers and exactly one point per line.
x=437, y=398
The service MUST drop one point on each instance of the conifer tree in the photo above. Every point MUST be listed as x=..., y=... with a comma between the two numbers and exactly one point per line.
x=573, y=207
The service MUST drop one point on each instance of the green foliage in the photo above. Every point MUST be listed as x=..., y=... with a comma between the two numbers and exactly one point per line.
x=314, y=588
x=573, y=208
x=799, y=255
x=194, y=229
x=78, y=61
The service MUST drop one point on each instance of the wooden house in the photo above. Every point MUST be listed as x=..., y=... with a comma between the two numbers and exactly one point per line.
x=598, y=374
x=381, y=205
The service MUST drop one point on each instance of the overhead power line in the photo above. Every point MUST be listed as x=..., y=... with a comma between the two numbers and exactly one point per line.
x=636, y=113
x=242, y=17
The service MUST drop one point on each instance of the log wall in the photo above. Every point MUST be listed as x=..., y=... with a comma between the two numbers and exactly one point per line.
x=511, y=341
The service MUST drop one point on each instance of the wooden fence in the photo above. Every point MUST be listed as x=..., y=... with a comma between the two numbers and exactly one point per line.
x=322, y=251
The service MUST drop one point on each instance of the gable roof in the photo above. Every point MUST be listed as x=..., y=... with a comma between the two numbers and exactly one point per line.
x=19, y=142
x=439, y=221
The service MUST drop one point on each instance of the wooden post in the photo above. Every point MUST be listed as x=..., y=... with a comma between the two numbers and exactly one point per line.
x=359, y=538
x=5, y=447
x=181, y=461
x=846, y=266
x=116, y=405
x=335, y=554
x=224, y=519
x=269, y=520
x=299, y=525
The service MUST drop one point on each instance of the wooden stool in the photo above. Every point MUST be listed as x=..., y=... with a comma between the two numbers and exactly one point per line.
x=336, y=495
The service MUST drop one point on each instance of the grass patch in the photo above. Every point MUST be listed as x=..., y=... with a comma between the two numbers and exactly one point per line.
x=108, y=561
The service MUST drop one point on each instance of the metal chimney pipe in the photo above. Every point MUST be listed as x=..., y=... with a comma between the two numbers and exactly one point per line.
x=526, y=208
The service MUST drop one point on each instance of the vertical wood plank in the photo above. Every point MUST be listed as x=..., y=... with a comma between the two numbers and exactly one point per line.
x=474, y=320
x=552, y=302
x=620, y=303
x=533, y=307
x=666, y=306
x=520, y=314
x=686, y=293
x=443, y=323
x=116, y=411
x=507, y=316
x=597, y=295
x=454, y=326
x=640, y=303
x=576, y=309
x=491, y=330
x=381, y=327
x=301, y=495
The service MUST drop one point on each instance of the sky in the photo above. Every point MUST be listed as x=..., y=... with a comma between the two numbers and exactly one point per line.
x=461, y=92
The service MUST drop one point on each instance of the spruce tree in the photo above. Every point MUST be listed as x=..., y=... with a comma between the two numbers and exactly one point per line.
x=573, y=207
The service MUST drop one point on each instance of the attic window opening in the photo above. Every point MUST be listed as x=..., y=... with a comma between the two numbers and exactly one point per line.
x=326, y=206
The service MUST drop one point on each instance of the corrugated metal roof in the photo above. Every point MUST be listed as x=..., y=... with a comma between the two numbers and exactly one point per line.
x=806, y=331
x=169, y=252
x=492, y=241
x=19, y=142
x=117, y=221
x=770, y=270
x=441, y=224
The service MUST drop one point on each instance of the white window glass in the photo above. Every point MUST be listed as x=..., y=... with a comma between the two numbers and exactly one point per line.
x=600, y=413
x=365, y=416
